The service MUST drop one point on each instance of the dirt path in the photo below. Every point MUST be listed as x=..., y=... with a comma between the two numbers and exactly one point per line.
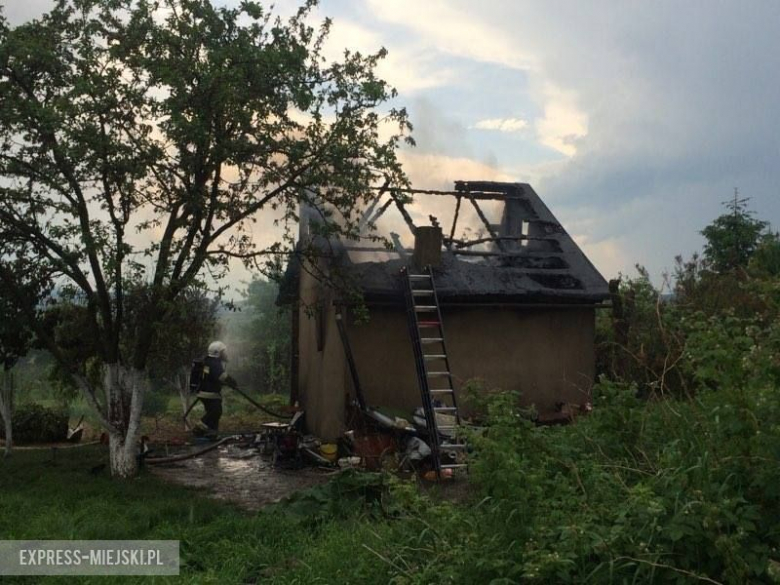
x=239, y=476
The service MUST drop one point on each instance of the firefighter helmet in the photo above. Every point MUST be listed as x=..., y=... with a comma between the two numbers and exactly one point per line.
x=218, y=349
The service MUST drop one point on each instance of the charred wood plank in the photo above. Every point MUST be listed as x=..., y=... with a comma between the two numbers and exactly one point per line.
x=489, y=195
x=448, y=241
x=505, y=254
x=486, y=222
x=398, y=246
x=402, y=208
x=377, y=248
x=380, y=211
x=468, y=243
x=364, y=219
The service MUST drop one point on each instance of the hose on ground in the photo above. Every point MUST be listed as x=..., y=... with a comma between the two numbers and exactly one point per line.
x=260, y=406
x=182, y=457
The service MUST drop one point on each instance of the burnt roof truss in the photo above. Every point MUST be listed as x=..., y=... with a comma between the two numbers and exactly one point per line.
x=527, y=255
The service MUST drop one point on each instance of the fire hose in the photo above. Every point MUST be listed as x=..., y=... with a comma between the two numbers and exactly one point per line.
x=260, y=406
x=182, y=457
x=252, y=401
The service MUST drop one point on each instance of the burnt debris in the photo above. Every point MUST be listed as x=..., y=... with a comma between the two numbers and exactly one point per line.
x=525, y=257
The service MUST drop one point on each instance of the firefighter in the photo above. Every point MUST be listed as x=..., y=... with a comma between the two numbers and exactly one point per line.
x=210, y=393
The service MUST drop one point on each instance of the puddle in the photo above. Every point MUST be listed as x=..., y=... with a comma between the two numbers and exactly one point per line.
x=239, y=476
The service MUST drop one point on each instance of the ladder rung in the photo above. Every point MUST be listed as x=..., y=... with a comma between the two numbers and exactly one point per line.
x=426, y=293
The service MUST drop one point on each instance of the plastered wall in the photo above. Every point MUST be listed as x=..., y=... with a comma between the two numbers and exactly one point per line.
x=321, y=373
x=545, y=354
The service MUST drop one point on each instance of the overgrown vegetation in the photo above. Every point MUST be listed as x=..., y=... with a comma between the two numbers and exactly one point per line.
x=679, y=490
x=34, y=423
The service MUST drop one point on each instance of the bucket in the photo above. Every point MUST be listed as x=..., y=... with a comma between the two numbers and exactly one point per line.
x=329, y=451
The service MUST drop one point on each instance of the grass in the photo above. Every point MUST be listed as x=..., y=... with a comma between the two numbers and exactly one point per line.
x=679, y=490
x=238, y=415
x=219, y=542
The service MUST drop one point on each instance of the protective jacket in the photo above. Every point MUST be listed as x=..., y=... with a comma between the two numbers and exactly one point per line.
x=214, y=375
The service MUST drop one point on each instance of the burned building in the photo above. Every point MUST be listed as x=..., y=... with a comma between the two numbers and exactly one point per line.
x=517, y=301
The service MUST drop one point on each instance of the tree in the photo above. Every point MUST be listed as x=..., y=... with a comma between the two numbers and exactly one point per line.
x=261, y=337
x=189, y=326
x=766, y=258
x=143, y=139
x=29, y=287
x=733, y=237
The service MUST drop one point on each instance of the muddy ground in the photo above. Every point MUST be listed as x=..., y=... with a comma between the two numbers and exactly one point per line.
x=240, y=476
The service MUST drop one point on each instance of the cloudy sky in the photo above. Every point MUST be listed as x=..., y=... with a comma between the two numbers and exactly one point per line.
x=633, y=121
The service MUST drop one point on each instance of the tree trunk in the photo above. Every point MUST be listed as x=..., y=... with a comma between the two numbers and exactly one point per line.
x=123, y=456
x=6, y=409
x=125, y=388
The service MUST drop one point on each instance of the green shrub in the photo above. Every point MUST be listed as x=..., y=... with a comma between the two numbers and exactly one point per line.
x=155, y=403
x=33, y=423
x=666, y=490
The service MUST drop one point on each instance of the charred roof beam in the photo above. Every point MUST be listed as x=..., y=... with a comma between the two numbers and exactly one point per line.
x=487, y=223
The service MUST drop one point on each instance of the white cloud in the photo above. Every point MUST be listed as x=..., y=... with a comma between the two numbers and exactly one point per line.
x=563, y=123
x=468, y=34
x=18, y=12
x=408, y=68
x=411, y=71
x=608, y=256
x=454, y=31
x=436, y=171
x=502, y=124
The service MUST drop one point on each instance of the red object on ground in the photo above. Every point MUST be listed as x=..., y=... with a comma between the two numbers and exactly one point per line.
x=431, y=475
x=372, y=447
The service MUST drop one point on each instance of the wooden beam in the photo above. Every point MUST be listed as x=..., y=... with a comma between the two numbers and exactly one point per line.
x=407, y=218
x=506, y=254
x=370, y=209
x=398, y=246
x=448, y=242
x=469, y=243
x=495, y=196
x=381, y=211
x=392, y=250
x=486, y=222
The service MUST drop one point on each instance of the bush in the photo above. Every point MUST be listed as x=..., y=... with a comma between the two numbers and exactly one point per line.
x=659, y=491
x=155, y=403
x=33, y=423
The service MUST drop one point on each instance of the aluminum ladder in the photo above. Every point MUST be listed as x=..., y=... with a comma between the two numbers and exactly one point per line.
x=433, y=366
